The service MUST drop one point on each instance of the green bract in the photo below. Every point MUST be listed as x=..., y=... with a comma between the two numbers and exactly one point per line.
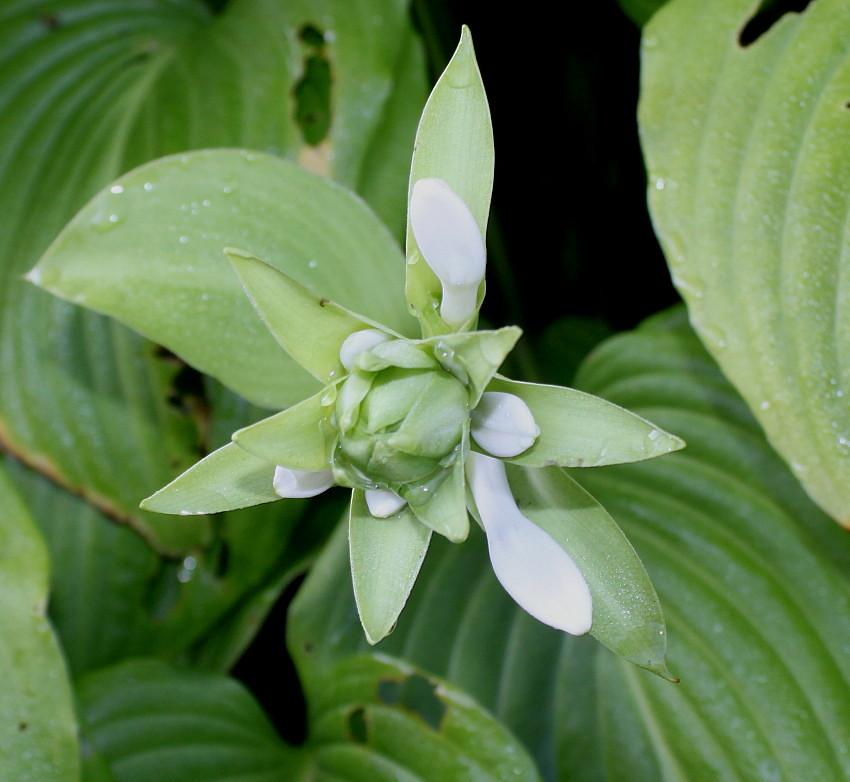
x=420, y=429
x=406, y=428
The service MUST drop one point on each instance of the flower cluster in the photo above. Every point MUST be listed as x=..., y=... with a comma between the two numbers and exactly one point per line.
x=402, y=413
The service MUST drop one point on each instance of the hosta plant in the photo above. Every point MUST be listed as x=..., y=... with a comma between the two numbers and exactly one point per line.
x=422, y=428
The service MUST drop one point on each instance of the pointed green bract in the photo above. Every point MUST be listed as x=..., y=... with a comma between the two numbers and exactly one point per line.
x=476, y=356
x=445, y=512
x=385, y=555
x=396, y=353
x=298, y=437
x=227, y=479
x=582, y=430
x=309, y=327
x=627, y=616
x=454, y=143
x=148, y=251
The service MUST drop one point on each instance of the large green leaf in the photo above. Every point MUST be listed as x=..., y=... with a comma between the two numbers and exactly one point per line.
x=753, y=578
x=38, y=739
x=381, y=720
x=748, y=150
x=145, y=720
x=149, y=250
x=91, y=88
x=112, y=597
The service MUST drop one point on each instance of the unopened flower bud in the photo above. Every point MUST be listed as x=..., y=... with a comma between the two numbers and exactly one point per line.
x=359, y=342
x=531, y=566
x=503, y=425
x=301, y=483
x=383, y=503
x=450, y=242
x=407, y=422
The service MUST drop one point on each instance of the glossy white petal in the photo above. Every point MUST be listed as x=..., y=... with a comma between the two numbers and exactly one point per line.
x=301, y=483
x=503, y=425
x=359, y=342
x=534, y=570
x=383, y=503
x=450, y=242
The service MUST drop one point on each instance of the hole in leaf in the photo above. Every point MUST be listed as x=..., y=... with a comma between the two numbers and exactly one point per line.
x=770, y=12
x=415, y=694
x=312, y=36
x=358, y=725
x=313, y=90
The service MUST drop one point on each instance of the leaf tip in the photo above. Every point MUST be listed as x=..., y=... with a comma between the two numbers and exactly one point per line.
x=34, y=276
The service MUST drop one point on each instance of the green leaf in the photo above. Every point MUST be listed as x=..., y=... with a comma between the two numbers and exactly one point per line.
x=627, y=617
x=92, y=88
x=582, y=430
x=475, y=356
x=445, y=512
x=752, y=576
x=294, y=438
x=386, y=555
x=226, y=479
x=747, y=147
x=38, y=736
x=148, y=250
x=382, y=720
x=454, y=143
x=112, y=597
x=185, y=725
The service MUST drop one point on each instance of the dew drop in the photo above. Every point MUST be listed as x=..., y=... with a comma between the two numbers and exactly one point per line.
x=147, y=187
x=183, y=240
x=117, y=189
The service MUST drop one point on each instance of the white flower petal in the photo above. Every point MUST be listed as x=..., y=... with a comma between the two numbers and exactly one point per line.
x=383, y=503
x=503, y=425
x=301, y=483
x=359, y=342
x=534, y=570
x=450, y=241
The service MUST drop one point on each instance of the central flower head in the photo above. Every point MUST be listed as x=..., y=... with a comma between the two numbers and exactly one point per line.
x=398, y=426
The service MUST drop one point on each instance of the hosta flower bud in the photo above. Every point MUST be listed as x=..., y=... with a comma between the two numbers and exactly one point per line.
x=383, y=503
x=401, y=429
x=301, y=483
x=359, y=342
x=450, y=241
x=503, y=425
